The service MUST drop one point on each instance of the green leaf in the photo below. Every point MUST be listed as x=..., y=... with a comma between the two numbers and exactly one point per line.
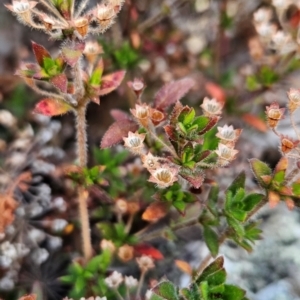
x=217, y=278
x=213, y=199
x=251, y=201
x=93, y=264
x=211, y=240
x=210, y=142
x=180, y=206
x=216, y=265
x=252, y=83
x=167, y=290
x=233, y=293
x=279, y=176
x=238, y=183
x=201, y=122
x=189, y=117
x=260, y=169
x=235, y=225
x=238, y=214
x=67, y=279
x=204, y=289
x=79, y=284
x=296, y=188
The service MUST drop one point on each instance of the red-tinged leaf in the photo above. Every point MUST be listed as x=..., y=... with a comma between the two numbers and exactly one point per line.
x=216, y=91
x=116, y=132
x=172, y=92
x=175, y=113
x=146, y=249
x=155, y=211
x=60, y=82
x=72, y=52
x=119, y=115
x=110, y=82
x=52, y=107
x=171, y=132
x=255, y=122
x=212, y=122
x=184, y=266
x=195, y=177
x=40, y=53
x=281, y=165
x=28, y=70
x=71, y=88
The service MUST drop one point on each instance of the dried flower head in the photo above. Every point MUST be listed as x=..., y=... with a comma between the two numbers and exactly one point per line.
x=164, y=176
x=114, y=280
x=150, y=162
x=274, y=114
x=137, y=85
x=228, y=134
x=135, y=142
x=294, y=99
x=225, y=154
x=125, y=253
x=107, y=245
x=133, y=207
x=131, y=282
x=104, y=14
x=141, y=113
x=156, y=116
x=121, y=206
x=145, y=263
x=211, y=107
x=92, y=51
x=82, y=25
x=287, y=144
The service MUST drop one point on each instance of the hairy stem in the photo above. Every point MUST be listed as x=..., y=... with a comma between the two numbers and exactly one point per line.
x=54, y=11
x=82, y=194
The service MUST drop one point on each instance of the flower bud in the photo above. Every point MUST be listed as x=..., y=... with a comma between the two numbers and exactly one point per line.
x=125, y=253
x=274, y=114
x=294, y=99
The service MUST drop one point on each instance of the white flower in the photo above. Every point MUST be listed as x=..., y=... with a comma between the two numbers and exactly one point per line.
x=131, y=282
x=145, y=263
x=104, y=13
x=262, y=15
x=228, y=134
x=211, y=107
x=163, y=176
x=150, y=162
x=107, y=245
x=134, y=142
x=114, y=280
x=21, y=6
x=226, y=154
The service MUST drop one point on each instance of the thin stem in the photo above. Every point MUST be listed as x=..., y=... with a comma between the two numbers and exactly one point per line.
x=129, y=223
x=294, y=126
x=85, y=225
x=156, y=138
x=289, y=178
x=139, y=289
x=81, y=135
x=81, y=8
x=54, y=11
x=82, y=156
x=78, y=80
x=118, y=294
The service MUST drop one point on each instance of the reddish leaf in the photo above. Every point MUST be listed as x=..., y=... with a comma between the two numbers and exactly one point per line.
x=111, y=82
x=146, y=249
x=72, y=52
x=171, y=132
x=40, y=53
x=155, y=211
x=195, y=177
x=52, y=107
x=61, y=82
x=184, y=266
x=255, y=122
x=172, y=92
x=216, y=91
x=119, y=115
x=116, y=132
